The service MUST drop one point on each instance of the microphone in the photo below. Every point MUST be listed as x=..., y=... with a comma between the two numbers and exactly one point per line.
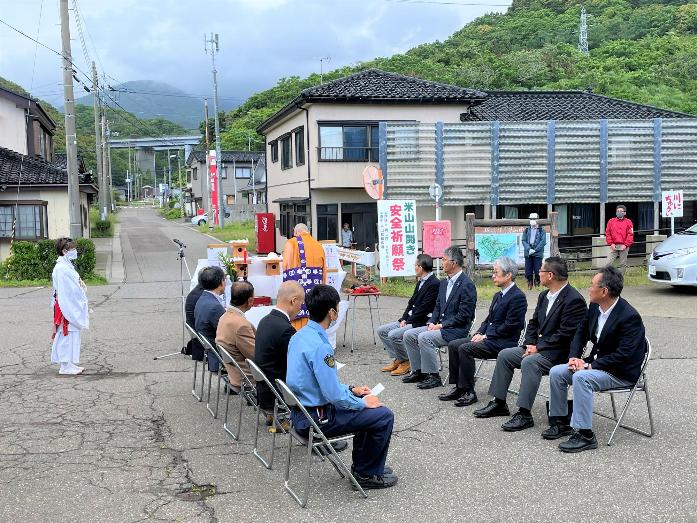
x=178, y=243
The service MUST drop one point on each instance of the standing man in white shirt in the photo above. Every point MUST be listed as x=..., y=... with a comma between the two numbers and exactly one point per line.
x=346, y=236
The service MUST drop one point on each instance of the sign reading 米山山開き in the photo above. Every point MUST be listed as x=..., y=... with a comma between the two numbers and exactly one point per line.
x=397, y=233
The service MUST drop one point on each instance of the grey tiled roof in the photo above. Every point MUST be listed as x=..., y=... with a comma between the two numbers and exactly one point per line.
x=562, y=105
x=33, y=171
x=376, y=85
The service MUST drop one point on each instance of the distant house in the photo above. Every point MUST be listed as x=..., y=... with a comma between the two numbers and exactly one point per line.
x=36, y=194
x=319, y=144
x=241, y=163
x=24, y=126
x=255, y=190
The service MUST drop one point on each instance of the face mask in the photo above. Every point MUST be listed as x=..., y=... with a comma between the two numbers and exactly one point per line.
x=533, y=223
x=620, y=215
x=71, y=254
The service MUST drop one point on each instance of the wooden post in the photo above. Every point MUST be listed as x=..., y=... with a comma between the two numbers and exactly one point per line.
x=469, y=238
x=554, y=233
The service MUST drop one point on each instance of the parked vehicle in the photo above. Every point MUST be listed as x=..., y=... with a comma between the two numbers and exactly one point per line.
x=674, y=260
x=203, y=218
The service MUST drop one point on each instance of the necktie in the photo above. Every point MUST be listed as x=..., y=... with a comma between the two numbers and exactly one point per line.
x=497, y=298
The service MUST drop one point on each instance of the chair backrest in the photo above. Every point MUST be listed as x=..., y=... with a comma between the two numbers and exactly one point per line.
x=647, y=356
x=522, y=335
x=191, y=330
x=226, y=357
x=209, y=347
x=259, y=376
x=292, y=401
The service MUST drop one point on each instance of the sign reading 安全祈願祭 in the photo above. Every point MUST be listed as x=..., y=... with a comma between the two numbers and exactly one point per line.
x=397, y=233
x=672, y=204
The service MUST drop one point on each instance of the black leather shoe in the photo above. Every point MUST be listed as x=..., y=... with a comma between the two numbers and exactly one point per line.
x=431, y=382
x=376, y=482
x=414, y=377
x=468, y=398
x=557, y=431
x=454, y=394
x=519, y=421
x=491, y=410
x=339, y=446
x=386, y=470
x=578, y=443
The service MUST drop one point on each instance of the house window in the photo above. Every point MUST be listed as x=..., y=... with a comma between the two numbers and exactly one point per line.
x=31, y=221
x=286, y=153
x=349, y=142
x=274, y=151
x=223, y=172
x=230, y=199
x=291, y=215
x=300, y=146
x=243, y=172
x=327, y=221
x=195, y=173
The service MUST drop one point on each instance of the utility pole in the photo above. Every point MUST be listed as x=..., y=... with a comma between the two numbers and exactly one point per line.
x=70, y=133
x=207, y=201
x=103, y=158
x=321, y=68
x=583, y=32
x=101, y=179
x=169, y=173
x=110, y=182
x=215, y=48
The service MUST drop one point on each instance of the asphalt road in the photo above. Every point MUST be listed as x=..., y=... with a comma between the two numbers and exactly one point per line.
x=127, y=441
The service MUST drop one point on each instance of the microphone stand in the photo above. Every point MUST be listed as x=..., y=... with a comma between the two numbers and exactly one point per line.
x=182, y=264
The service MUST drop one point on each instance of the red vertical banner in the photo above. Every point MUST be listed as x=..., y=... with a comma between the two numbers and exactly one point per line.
x=213, y=174
x=436, y=236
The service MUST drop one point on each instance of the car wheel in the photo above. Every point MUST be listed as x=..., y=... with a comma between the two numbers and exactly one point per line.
x=202, y=222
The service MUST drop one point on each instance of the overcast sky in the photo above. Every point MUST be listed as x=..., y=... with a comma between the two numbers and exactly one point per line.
x=261, y=40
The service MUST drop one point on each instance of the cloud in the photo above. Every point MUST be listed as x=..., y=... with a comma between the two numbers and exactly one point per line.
x=261, y=40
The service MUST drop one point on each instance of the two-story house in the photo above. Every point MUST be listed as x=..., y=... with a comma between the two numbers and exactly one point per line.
x=33, y=183
x=319, y=144
x=236, y=172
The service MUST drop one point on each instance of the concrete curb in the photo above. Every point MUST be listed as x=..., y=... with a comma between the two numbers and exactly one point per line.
x=118, y=268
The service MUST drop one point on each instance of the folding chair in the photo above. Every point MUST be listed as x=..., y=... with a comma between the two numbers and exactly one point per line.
x=315, y=438
x=444, y=349
x=210, y=350
x=641, y=385
x=194, y=334
x=247, y=394
x=279, y=404
x=521, y=339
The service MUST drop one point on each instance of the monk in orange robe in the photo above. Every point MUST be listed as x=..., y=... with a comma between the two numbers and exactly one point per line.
x=305, y=263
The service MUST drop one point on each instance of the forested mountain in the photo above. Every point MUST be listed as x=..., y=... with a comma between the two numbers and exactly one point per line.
x=640, y=50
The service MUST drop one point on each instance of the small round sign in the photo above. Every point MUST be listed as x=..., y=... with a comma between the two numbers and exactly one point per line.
x=436, y=191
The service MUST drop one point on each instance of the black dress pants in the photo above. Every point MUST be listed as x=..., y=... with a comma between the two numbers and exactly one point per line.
x=461, y=356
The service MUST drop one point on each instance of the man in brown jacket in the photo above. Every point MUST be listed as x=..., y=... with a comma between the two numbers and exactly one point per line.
x=235, y=333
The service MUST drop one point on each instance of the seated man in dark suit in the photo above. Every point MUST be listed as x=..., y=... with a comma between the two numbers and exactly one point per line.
x=193, y=346
x=559, y=310
x=500, y=329
x=619, y=347
x=273, y=334
x=420, y=306
x=451, y=319
x=209, y=307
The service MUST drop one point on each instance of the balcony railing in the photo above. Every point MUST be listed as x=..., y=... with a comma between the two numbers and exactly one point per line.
x=347, y=154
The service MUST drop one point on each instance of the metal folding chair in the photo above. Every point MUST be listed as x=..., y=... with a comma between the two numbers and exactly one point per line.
x=194, y=334
x=444, y=349
x=315, y=438
x=279, y=405
x=641, y=385
x=210, y=350
x=247, y=394
x=477, y=376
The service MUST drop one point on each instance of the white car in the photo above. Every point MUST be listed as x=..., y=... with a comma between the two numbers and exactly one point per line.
x=674, y=260
x=199, y=219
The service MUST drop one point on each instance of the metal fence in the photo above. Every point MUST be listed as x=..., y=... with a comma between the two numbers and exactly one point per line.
x=510, y=163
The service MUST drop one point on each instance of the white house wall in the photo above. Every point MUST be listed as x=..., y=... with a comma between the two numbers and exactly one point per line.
x=13, y=131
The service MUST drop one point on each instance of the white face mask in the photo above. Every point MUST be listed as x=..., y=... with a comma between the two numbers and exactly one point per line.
x=71, y=254
x=533, y=223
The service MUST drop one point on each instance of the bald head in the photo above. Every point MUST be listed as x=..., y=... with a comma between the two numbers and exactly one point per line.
x=300, y=228
x=290, y=298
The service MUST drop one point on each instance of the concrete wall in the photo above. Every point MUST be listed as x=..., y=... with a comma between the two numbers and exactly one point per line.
x=13, y=131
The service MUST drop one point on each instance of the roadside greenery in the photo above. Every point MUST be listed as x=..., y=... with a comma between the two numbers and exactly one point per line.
x=101, y=228
x=233, y=231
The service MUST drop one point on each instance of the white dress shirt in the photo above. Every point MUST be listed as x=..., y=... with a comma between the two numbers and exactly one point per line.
x=602, y=319
x=451, y=283
x=552, y=297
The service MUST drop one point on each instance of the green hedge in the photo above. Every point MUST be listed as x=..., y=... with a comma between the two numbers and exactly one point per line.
x=35, y=260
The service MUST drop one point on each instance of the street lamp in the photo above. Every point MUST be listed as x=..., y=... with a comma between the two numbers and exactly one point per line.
x=181, y=189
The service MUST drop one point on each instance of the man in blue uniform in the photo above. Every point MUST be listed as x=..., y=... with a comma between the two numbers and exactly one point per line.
x=337, y=408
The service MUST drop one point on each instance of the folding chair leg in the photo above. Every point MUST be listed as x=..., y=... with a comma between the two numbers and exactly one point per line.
x=203, y=378
x=255, y=450
x=619, y=419
x=210, y=387
x=225, y=423
x=217, y=398
x=193, y=386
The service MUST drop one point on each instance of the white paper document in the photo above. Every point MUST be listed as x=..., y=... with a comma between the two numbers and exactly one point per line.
x=377, y=389
x=339, y=365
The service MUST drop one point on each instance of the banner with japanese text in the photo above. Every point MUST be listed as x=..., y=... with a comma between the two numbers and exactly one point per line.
x=397, y=233
x=213, y=177
x=436, y=236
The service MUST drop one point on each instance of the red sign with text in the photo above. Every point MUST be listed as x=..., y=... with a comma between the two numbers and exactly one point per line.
x=437, y=237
